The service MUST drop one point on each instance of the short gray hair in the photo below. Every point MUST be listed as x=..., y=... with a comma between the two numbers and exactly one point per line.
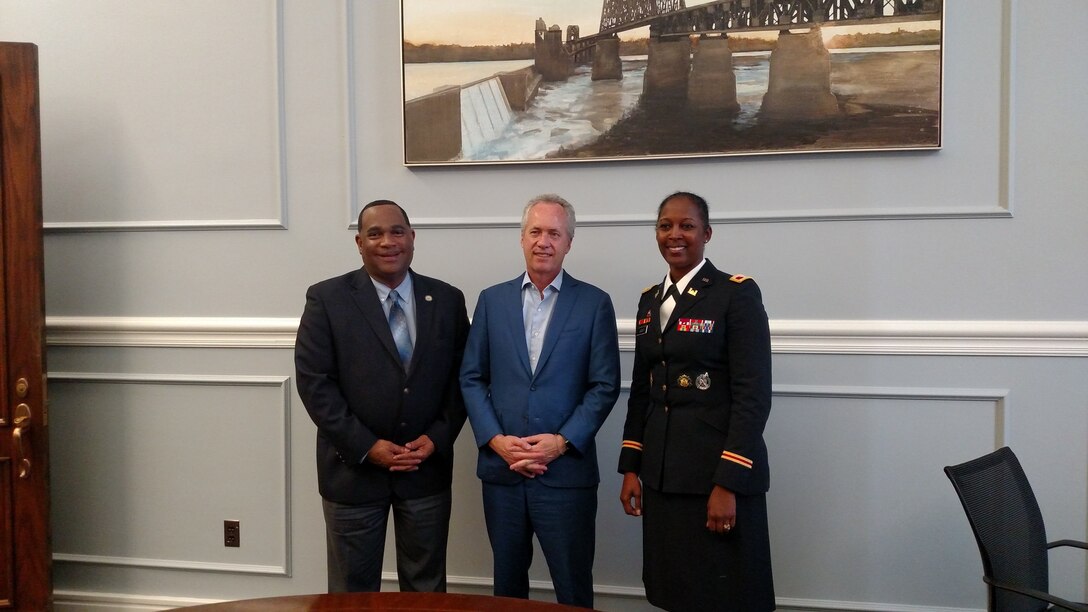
x=550, y=198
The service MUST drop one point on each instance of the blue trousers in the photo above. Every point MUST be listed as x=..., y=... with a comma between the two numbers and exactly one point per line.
x=355, y=536
x=564, y=521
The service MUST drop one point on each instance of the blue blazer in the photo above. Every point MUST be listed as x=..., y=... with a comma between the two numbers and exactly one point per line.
x=357, y=391
x=577, y=380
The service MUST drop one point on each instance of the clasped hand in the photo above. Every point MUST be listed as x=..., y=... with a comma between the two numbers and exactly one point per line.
x=397, y=458
x=528, y=456
x=721, y=505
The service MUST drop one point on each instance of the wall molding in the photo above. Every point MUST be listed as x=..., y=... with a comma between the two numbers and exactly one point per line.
x=282, y=383
x=788, y=336
x=172, y=332
x=647, y=220
x=996, y=397
x=998, y=207
x=72, y=601
x=91, y=227
x=277, y=223
x=172, y=564
x=931, y=338
x=65, y=600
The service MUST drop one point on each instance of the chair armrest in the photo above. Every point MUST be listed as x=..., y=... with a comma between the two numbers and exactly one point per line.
x=1034, y=594
x=1073, y=543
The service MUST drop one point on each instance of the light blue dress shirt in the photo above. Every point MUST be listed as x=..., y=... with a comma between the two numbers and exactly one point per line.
x=407, y=300
x=536, y=311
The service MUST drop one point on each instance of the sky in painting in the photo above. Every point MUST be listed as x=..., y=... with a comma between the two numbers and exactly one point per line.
x=498, y=22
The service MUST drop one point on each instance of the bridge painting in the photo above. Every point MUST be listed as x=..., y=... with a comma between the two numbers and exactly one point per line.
x=574, y=80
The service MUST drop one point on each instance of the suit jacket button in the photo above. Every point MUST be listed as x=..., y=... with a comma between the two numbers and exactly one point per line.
x=406, y=390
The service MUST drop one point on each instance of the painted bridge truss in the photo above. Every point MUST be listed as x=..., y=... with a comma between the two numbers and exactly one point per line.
x=674, y=18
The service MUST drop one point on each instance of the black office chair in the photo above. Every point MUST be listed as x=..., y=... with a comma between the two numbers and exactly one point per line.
x=1008, y=527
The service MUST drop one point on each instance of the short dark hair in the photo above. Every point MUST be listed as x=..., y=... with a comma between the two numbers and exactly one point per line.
x=359, y=222
x=699, y=202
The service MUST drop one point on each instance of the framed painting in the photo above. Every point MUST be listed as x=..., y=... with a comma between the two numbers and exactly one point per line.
x=526, y=81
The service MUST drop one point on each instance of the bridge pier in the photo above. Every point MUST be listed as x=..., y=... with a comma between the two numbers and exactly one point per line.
x=606, y=60
x=712, y=84
x=552, y=61
x=799, y=84
x=667, y=69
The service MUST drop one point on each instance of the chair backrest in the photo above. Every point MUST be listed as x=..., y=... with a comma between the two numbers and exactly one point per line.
x=1008, y=526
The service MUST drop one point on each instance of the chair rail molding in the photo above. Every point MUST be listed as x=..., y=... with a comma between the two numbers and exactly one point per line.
x=788, y=336
x=900, y=337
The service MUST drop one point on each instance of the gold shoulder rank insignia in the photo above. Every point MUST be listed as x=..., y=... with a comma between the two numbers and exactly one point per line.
x=739, y=278
x=648, y=288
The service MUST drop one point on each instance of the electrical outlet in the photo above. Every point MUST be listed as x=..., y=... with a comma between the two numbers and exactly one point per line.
x=232, y=534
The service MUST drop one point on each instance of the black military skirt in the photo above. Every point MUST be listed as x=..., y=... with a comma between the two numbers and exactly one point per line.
x=687, y=568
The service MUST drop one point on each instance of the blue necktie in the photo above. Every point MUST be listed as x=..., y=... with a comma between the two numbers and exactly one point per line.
x=398, y=324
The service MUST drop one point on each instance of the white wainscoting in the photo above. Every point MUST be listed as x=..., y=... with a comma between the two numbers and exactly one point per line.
x=852, y=431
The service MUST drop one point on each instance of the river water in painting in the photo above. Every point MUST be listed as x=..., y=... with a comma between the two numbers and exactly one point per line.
x=577, y=112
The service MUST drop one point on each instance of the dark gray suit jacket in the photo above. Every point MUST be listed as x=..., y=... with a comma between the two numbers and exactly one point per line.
x=356, y=390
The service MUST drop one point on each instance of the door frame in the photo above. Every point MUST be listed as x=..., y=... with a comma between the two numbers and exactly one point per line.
x=24, y=436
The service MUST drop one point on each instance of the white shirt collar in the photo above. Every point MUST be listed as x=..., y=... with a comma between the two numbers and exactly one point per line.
x=684, y=280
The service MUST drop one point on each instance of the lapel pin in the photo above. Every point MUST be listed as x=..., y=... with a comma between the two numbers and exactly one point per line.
x=692, y=292
x=428, y=298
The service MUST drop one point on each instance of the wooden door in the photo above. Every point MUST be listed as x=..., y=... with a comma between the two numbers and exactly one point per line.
x=25, y=557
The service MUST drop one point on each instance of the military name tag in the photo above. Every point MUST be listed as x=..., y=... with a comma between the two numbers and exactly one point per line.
x=698, y=326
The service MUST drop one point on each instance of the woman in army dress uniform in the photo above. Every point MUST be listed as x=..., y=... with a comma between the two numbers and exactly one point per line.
x=693, y=460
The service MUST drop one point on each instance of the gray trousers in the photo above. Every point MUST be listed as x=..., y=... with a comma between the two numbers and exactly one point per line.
x=355, y=536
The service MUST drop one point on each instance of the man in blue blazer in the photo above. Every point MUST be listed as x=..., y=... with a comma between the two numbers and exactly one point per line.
x=540, y=375
x=376, y=359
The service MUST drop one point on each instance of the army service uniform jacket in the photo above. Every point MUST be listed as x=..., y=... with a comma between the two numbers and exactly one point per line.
x=701, y=389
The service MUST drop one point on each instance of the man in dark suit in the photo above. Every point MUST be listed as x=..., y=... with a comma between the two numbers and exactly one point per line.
x=540, y=375
x=376, y=359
